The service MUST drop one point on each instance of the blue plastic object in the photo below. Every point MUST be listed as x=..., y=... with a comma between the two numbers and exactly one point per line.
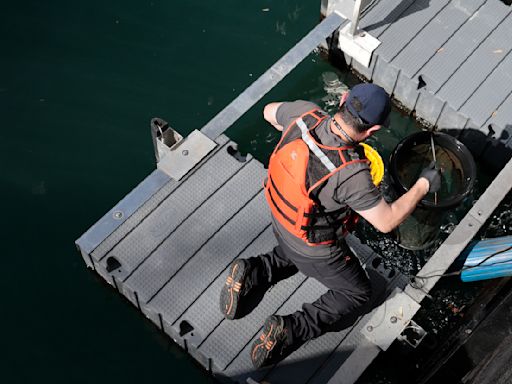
x=498, y=265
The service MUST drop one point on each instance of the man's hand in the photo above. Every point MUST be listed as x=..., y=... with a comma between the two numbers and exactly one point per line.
x=433, y=175
x=386, y=217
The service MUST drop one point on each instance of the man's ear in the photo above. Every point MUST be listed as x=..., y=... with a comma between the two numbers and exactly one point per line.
x=370, y=131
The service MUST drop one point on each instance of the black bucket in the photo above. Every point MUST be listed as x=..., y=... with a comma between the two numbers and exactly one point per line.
x=458, y=173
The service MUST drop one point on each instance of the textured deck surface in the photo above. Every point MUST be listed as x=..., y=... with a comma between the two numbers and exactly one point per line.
x=170, y=258
x=448, y=60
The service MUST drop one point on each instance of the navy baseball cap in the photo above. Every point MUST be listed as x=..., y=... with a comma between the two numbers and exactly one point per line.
x=370, y=103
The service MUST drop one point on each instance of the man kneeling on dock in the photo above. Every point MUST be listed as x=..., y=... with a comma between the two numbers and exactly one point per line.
x=318, y=181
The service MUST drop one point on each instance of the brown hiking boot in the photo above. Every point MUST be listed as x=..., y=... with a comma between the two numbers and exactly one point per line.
x=237, y=285
x=272, y=345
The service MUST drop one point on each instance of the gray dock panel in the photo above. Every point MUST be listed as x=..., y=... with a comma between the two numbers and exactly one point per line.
x=413, y=20
x=431, y=106
x=440, y=59
x=194, y=230
x=204, y=313
x=434, y=35
x=425, y=45
x=122, y=212
x=462, y=44
x=354, y=365
x=376, y=21
x=478, y=66
x=487, y=98
x=144, y=209
x=235, y=236
x=158, y=225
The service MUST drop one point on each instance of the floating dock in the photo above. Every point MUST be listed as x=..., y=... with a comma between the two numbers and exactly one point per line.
x=167, y=245
x=449, y=61
x=170, y=259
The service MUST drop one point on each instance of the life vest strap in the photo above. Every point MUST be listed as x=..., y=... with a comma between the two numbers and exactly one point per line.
x=306, y=214
x=313, y=146
x=284, y=215
x=290, y=205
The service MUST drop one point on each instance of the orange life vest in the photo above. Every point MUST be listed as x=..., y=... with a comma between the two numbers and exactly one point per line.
x=297, y=167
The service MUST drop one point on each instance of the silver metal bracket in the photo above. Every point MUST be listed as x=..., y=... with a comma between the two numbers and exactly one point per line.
x=353, y=41
x=359, y=46
x=177, y=160
x=389, y=320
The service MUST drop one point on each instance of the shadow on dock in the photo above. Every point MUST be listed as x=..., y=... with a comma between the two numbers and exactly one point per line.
x=399, y=12
x=489, y=151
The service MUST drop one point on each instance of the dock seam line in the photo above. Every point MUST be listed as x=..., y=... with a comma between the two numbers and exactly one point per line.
x=396, y=80
x=497, y=108
x=161, y=321
x=486, y=77
x=377, y=57
x=220, y=273
x=473, y=51
x=421, y=29
x=202, y=245
x=180, y=224
x=187, y=176
x=440, y=113
x=319, y=368
x=449, y=37
x=260, y=328
x=399, y=16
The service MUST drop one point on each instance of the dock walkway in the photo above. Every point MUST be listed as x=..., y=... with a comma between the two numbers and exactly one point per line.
x=449, y=61
x=170, y=259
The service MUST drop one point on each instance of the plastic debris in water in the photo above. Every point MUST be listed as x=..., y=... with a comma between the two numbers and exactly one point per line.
x=334, y=88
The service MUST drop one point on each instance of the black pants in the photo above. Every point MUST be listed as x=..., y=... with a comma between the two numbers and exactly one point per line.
x=349, y=287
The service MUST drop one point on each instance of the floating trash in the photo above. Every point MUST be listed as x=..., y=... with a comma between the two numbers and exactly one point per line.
x=334, y=89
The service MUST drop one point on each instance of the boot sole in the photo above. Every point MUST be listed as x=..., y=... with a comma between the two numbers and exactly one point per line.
x=261, y=351
x=230, y=293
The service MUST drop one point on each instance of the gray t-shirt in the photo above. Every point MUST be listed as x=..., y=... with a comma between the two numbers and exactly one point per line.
x=352, y=185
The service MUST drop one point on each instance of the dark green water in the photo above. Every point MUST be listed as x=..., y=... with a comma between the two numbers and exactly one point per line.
x=79, y=82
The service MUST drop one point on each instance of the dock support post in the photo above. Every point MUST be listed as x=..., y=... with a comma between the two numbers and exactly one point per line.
x=354, y=21
x=355, y=42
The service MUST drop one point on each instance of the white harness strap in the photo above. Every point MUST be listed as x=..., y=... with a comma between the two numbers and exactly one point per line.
x=313, y=147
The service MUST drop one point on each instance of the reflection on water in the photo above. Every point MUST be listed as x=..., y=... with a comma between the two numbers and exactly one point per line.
x=334, y=89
